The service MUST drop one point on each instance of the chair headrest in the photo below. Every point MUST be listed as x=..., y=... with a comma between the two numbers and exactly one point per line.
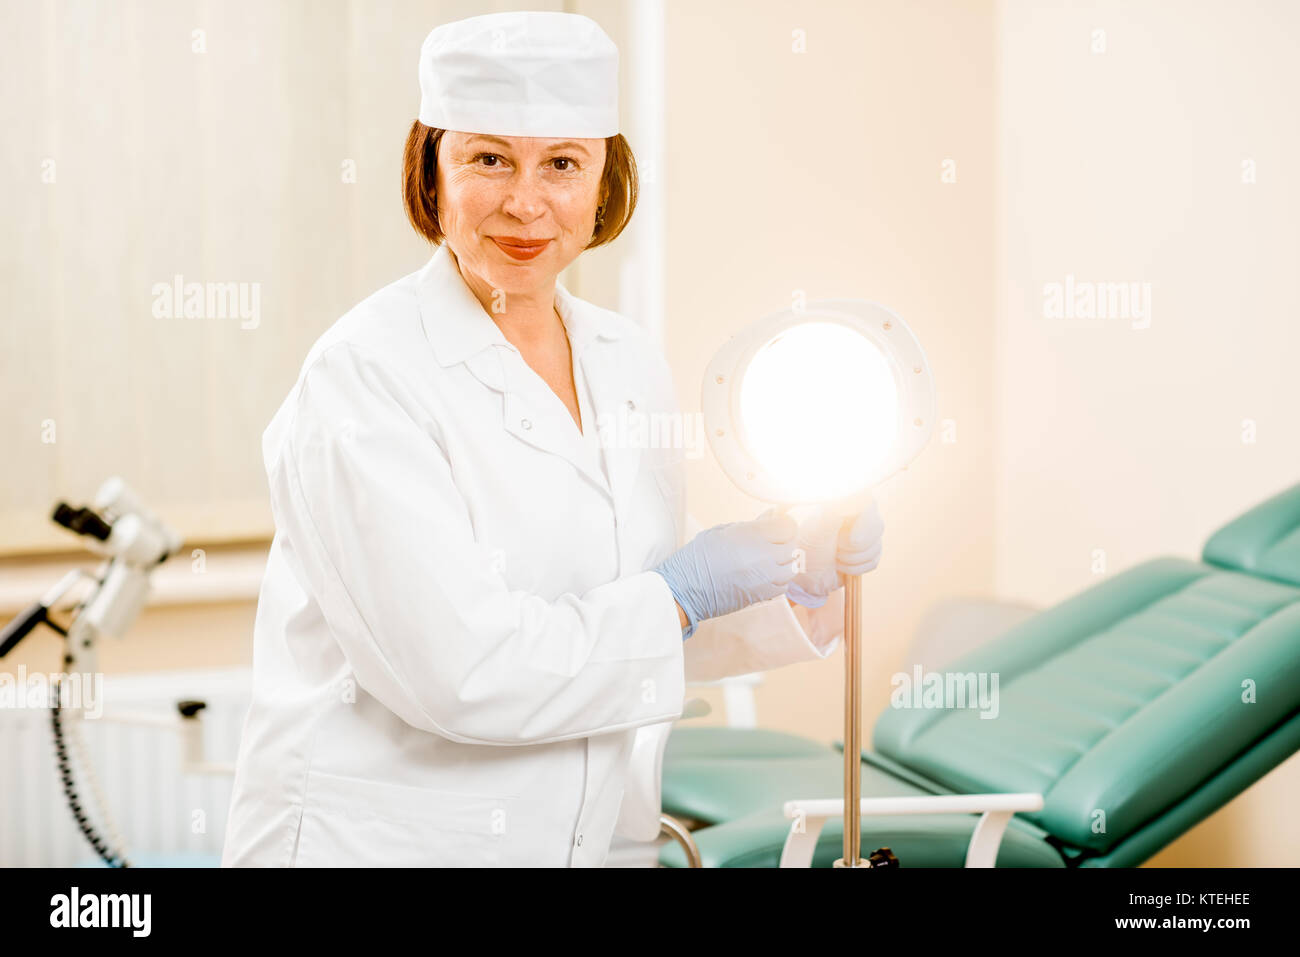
x=1264, y=541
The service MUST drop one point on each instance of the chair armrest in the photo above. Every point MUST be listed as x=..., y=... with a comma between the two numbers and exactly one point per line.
x=810, y=816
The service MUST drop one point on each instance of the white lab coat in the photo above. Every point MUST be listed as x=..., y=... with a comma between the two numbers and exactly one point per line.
x=457, y=636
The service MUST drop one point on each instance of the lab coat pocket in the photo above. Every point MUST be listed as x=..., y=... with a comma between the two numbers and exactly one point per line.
x=355, y=822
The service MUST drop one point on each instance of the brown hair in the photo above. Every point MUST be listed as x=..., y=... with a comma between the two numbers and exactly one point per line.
x=618, y=185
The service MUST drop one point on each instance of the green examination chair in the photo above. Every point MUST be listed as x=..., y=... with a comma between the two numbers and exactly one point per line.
x=1135, y=709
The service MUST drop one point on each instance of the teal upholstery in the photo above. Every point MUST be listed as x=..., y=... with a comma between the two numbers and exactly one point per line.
x=1265, y=541
x=742, y=785
x=687, y=742
x=1136, y=708
x=745, y=795
x=1119, y=702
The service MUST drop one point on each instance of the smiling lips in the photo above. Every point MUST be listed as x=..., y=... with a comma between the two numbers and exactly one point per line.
x=517, y=248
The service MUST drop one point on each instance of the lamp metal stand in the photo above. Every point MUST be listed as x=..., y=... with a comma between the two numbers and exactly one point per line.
x=852, y=724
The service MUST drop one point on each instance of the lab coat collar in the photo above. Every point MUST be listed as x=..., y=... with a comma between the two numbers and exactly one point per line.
x=459, y=330
x=458, y=327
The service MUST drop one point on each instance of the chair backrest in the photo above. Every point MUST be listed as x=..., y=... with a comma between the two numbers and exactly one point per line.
x=1121, y=701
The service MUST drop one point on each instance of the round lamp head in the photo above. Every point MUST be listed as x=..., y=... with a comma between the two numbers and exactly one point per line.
x=819, y=403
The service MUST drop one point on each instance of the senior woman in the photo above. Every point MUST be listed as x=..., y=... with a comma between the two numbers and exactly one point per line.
x=475, y=597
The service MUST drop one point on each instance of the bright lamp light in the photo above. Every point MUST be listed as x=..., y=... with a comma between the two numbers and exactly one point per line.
x=803, y=393
x=819, y=403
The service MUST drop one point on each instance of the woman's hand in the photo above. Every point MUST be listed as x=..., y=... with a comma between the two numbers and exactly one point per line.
x=833, y=545
x=729, y=567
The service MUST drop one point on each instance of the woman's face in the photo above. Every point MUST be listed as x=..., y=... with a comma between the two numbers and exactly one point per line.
x=495, y=193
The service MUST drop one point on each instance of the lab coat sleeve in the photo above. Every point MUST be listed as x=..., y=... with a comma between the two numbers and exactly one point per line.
x=424, y=617
x=766, y=635
x=763, y=636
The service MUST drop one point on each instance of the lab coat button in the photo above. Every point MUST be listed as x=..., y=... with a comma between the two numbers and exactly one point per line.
x=526, y=423
x=579, y=841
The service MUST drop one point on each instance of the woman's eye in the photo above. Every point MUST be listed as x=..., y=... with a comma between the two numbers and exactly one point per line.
x=570, y=164
x=485, y=157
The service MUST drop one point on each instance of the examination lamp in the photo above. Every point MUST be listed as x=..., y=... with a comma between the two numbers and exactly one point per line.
x=819, y=405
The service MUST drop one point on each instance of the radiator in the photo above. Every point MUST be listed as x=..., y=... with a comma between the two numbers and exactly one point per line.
x=166, y=817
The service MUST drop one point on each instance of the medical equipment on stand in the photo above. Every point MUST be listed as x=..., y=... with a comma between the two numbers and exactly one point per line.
x=820, y=403
x=135, y=542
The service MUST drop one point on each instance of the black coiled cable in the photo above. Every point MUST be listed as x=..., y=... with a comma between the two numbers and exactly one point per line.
x=107, y=854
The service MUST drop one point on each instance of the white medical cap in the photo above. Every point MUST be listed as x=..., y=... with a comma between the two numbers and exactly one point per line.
x=520, y=74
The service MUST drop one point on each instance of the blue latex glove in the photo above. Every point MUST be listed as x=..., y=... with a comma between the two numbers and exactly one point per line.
x=729, y=567
x=833, y=544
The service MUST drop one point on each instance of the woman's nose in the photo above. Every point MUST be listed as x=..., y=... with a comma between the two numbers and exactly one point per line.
x=524, y=199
